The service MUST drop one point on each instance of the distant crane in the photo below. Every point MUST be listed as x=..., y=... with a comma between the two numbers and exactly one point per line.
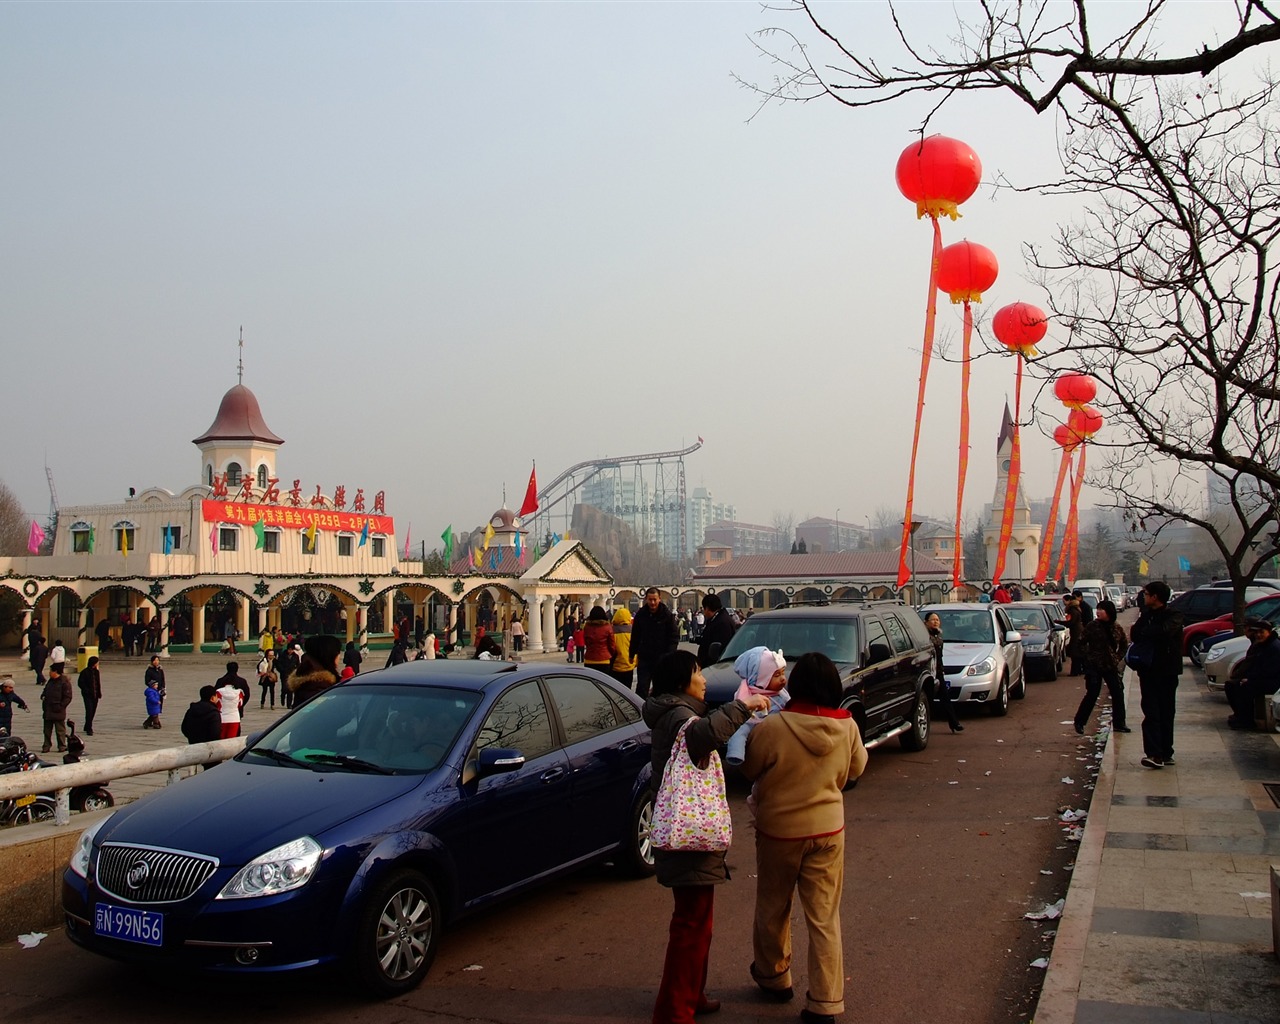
x=53, y=507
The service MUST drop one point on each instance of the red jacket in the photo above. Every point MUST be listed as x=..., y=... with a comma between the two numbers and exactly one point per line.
x=598, y=637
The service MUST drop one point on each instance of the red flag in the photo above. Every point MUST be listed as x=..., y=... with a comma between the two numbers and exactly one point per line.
x=531, y=493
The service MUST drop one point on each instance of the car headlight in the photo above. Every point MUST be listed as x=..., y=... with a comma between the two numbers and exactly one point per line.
x=1033, y=648
x=280, y=870
x=1215, y=654
x=83, y=852
x=985, y=667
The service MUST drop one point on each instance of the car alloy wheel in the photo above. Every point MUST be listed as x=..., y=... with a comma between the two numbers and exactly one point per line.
x=1000, y=707
x=636, y=854
x=398, y=935
x=917, y=737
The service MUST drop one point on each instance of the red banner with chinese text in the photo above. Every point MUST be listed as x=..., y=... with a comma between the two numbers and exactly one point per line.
x=295, y=518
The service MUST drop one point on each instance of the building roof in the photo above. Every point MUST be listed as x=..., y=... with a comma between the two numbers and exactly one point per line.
x=239, y=419
x=840, y=565
x=1006, y=428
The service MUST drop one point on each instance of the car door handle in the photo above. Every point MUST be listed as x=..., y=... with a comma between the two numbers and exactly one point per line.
x=627, y=745
x=551, y=774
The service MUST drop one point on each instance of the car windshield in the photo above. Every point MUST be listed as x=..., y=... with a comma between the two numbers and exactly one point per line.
x=1027, y=619
x=837, y=638
x=375, y=729
x=966, y=625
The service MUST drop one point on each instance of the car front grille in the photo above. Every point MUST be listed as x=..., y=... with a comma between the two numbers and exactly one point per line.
x=147, y=874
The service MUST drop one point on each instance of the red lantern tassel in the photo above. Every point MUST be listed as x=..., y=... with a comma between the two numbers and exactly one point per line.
x=1011, y=484
x=1046, y=546
x=964, y=442
x=930, y=316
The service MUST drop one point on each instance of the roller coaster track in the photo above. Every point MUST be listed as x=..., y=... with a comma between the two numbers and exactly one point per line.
x=568, y=482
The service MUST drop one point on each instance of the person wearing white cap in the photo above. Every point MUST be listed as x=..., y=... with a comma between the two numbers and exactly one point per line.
x=762, y=671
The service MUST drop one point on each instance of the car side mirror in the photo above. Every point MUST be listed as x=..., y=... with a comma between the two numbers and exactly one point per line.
x=877, y=653
x=1013, y=637
x=498, y=760
x=714, y=652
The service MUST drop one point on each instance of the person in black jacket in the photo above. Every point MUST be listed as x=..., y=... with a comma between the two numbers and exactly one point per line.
x=1158, y=636
x=90, y=683
x=1257, y=675
x=718, y=629
x=654, y=633
x=38, y=655
x=203, y=721
x=351, y=657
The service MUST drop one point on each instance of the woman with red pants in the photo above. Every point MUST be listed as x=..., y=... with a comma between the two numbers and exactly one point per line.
x=678, y=695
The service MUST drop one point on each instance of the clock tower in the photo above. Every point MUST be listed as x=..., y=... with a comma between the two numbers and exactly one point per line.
x=1025, y=536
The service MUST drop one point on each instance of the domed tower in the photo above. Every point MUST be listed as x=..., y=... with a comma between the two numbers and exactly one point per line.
x=1025, y=536
x=239, y=442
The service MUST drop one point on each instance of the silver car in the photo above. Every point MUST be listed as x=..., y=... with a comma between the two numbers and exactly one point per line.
x=981, y=654
x=1221, y=659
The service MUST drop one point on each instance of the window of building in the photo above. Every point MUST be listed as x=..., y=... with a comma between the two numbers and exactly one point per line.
x=68, y=613
x=228, y=538
x=271, y=542
x=175, y=537
x=125, y=533
x=208, y=475
x=379, y=547
x=309, y=543
x=233, y=474
x=262, y=476
x=80, y=534
x=344, y=546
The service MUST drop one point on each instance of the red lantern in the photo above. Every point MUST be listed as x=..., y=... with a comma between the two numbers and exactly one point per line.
x=1018, y=326
x=966, y=270
x=1085, y=421
x=938, y=174
x=1066, y=438
x=1075, y=390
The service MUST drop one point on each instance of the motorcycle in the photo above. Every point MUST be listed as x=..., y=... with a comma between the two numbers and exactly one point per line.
x=20, y=810
x=92, y=797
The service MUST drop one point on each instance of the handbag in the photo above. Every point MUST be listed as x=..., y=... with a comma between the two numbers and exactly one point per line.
x=691, y=811
x=1140, y=655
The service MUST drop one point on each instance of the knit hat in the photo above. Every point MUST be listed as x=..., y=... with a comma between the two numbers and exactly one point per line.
x=757, y=666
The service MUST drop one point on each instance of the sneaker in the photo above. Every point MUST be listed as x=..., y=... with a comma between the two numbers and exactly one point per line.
x=1152, y=762
x=1170, y=760
x=1123, y=728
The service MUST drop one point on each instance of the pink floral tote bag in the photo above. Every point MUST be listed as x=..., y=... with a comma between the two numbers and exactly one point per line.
x=691, y=811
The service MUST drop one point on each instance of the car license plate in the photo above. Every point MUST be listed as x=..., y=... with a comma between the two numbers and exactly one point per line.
x=144, y=926
x=24, y=801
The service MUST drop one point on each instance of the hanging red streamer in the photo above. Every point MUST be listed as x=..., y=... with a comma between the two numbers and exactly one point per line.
x=958, y=560
x=1046, y=546
x=1067, y=559
x=1011, y=485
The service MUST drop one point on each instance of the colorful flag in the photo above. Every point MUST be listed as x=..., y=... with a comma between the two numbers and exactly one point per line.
x=471, y=556
x=364, y=535
x=92, y=539
x=530, y=504
x=447, y=537
x=493, y=559
x=488, y=535
x=213, y=539
x=124, y=541
x=260, y=533
x=168, y=540
x=537, y=552
x=556, y=539
x=406, y=541
x=519, y=546
x=1144, y=569
x=35, y=538
x=311, y=537
x=1184, y=564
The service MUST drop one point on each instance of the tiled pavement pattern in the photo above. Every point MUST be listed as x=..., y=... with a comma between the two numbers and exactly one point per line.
x=1168, y=918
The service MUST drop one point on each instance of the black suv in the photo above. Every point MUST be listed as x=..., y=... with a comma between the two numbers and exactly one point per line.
x=883, y=652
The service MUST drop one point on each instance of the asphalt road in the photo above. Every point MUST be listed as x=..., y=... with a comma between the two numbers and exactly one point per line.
x=948, y=848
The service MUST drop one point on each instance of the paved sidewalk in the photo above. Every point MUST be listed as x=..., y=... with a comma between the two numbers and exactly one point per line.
x=1168, y=919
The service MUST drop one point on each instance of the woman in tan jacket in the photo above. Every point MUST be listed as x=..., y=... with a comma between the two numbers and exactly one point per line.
x=800, y=760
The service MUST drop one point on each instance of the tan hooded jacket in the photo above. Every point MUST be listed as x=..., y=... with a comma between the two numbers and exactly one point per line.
x=801, y=760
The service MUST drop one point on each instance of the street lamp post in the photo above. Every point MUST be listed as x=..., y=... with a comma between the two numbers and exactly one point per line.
x=1018, y=552
x=836, y=546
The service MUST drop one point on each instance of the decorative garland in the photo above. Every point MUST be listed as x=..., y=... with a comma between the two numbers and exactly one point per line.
x=31, y=588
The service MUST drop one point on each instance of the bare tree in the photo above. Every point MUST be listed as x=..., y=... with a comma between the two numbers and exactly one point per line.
x=14, y=526
x=784, y=523
x=1163, y=282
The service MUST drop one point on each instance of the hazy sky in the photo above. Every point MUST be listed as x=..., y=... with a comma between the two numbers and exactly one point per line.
x=462, y=237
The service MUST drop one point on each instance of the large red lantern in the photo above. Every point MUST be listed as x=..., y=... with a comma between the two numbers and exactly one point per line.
x=1065, y=437
x=1019, y=326
x=1085, y=421
x=938, y=174
x=966, y=270
x=1075, y=390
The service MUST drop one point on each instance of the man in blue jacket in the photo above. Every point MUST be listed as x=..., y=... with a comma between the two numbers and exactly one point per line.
x=1257, y=675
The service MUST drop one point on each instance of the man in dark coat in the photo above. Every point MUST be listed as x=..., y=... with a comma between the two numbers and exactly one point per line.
x=1158, y=634
x=54, y=703
x=90, y=683
x=654, y=632
x=203, y=721
x=718, y=629
x=1257, y=675
x=38, y=654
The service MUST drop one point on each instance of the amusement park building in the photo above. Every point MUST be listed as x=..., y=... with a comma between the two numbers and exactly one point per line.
x=239, y=546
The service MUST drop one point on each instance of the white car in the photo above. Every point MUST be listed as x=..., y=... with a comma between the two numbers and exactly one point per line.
x=982, y=654
x=1221, y=659
x=1117, y=595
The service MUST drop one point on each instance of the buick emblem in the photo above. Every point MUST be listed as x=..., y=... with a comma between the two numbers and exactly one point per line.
x=137, y=874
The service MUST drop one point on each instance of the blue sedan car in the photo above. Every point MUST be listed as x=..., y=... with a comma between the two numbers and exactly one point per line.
x=362, y=822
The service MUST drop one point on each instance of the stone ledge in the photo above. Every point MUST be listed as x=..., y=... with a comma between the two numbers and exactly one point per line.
x=32, y=860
